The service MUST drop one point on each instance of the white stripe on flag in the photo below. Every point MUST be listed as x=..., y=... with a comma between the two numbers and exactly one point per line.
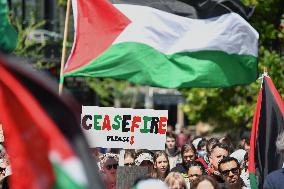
x=171, y=34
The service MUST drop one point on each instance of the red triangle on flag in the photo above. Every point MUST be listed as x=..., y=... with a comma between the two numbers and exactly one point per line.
x=97, y=25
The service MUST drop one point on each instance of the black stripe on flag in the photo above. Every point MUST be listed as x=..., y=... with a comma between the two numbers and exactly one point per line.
x=200, y=9
x=271, y=123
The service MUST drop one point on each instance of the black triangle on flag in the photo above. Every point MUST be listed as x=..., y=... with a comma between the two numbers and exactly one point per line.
x=268, y=123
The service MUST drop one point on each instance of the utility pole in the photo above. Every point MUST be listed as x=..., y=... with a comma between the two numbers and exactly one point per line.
x=149, y=104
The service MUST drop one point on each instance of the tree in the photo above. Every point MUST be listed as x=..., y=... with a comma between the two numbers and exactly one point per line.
x=62, y=2
x=114, y=92
x=233, y=108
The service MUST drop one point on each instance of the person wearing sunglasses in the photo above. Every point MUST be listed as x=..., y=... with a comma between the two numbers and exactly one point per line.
x=109, y=164
x=230, y=170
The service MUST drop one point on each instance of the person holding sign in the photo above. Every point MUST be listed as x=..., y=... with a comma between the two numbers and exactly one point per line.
x=161, y=165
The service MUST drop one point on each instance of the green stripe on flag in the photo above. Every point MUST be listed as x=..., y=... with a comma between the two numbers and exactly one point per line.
x=142, y=64
x=253, y=181
x=63, y=181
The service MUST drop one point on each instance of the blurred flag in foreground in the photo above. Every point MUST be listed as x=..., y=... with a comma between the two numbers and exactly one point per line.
x=268, y=123
x=42, y=134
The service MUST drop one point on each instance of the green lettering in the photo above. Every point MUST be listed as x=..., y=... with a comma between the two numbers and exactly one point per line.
x=96, y=122
x=117, y=120
x=146, y=119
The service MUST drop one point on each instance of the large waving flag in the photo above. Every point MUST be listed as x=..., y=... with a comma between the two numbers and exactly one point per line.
x=164, y=43
x=268, y=122
x=42, y=134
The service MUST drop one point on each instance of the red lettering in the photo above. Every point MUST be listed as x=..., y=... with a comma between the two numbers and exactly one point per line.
x=132, y=140
x=135, y=120
x=162, y=124
x=106, y=123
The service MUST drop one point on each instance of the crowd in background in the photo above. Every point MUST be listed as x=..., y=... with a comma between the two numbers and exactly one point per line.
x=201, y=162
x=186, y=163
x=5, y=167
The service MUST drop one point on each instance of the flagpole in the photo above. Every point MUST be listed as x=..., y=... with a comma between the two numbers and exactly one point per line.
x=61, y=79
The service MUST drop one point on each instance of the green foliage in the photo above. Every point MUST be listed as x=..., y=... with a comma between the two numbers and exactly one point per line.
x=110, y=91
x=233, y=108
x=28, y=48
x=62, y=2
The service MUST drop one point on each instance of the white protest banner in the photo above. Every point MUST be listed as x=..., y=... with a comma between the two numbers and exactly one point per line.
x=125, y=128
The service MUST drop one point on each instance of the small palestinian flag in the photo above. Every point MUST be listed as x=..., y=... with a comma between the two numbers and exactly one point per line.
x=164, y=43
x=42, y=134
x=268, y=122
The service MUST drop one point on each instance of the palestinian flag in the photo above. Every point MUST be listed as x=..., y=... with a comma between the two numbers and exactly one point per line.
x=164, y=43
x=42, y=134
x=268, y=122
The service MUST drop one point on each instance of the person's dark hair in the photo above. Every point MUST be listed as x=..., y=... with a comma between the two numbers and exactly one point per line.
x=197, y=164
x=171, y=135
x=202, y=143
x=227, y=140
x=203, y=178
x=227, y=159
x=246, y=157
x=245, y=135
x=247, y=141
x=219, y=145
x=187, y=147
x=129, y=153
x=245, y=167
x=210, y=143
x=5, y=183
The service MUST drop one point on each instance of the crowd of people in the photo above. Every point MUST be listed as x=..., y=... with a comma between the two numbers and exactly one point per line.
x=211, y=163
x=198, y=163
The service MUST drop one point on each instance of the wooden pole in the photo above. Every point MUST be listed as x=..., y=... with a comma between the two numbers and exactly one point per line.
x=61, y=79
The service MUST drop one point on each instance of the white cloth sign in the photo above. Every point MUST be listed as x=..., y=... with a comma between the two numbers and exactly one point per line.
x=125, y=128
